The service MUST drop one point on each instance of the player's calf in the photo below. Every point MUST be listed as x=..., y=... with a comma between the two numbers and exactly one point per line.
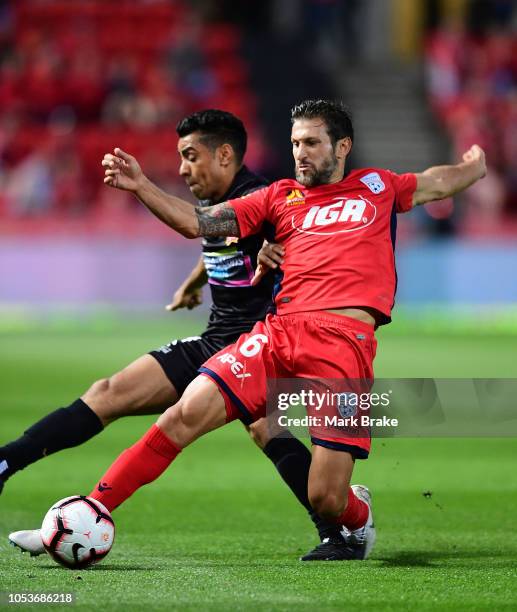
x=140, y=388
x=62, y=428
x=328, y=504
x=201, y=409
x=342, y=507
x=329, y=479
x=292, y=459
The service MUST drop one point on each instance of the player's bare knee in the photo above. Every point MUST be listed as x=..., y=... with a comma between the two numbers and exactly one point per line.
x=201, y=409
x=171, y=423
x=178, y=424
x=259, y=432
x=106, y=398
x=195, y=414
x=96, y=399
x=192, y=409
x=99, y=388
x=255, y=435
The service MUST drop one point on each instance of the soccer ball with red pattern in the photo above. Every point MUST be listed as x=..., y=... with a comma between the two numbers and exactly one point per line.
x=78, y=531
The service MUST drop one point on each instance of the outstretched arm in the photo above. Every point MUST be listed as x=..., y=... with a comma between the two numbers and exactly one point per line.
x=441, y=182
x=122, y=171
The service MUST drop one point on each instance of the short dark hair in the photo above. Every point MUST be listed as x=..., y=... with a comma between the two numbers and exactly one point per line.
x=336, y=115
x=217, y=127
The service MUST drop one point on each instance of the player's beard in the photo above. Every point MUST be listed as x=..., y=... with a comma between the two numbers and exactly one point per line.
x=318, y=176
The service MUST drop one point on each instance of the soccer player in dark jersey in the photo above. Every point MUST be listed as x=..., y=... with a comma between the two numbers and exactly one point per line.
x=338, y=285
x=211, y=145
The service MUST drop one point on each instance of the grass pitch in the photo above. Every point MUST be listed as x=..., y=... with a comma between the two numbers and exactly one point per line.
x=220, y=530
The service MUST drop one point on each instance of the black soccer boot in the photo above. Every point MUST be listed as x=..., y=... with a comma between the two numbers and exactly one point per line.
x=348, y=545
x=331, y=549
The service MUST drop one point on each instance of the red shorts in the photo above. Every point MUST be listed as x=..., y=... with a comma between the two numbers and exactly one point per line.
x=310, y=345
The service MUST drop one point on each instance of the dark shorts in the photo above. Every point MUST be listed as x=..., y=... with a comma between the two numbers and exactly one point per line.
x=181, y=359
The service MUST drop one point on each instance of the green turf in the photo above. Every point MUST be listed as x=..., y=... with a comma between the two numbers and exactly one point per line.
x=220, y=531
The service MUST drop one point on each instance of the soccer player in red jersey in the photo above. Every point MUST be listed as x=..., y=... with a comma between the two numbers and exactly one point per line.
x=338, y=285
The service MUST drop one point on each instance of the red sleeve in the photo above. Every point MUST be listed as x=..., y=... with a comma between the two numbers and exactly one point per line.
x=404, y=186
x=252, y=210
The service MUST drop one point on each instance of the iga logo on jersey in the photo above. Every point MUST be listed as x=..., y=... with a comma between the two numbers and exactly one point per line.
x=343, y=215
x=374, y=182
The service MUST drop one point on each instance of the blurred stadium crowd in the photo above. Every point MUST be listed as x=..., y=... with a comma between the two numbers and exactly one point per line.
x=472, y=87
x=76, y=79
x=72, y=85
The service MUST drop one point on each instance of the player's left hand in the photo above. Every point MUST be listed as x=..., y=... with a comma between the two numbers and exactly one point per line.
x=270, y=256
x=476, y=155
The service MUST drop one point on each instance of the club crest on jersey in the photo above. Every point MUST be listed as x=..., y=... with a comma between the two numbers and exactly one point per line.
x=342, y=216
x=374, y=182
x=294, y=197
x=346, y=406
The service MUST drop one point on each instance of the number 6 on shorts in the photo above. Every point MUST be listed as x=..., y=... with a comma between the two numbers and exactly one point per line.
x=253, y=345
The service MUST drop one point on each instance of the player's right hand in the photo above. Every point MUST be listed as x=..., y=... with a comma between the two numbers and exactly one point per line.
x=270, y=256
x=122, y=170
x=185, y=298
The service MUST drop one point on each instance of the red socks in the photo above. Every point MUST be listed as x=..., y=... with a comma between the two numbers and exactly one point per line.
x=136, y=466
x=151, y=456
x=355, y=514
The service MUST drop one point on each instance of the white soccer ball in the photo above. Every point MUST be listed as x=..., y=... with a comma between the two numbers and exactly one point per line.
x=78, y=531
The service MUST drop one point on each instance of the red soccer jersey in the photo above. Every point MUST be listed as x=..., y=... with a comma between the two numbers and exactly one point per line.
x=339, y=239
